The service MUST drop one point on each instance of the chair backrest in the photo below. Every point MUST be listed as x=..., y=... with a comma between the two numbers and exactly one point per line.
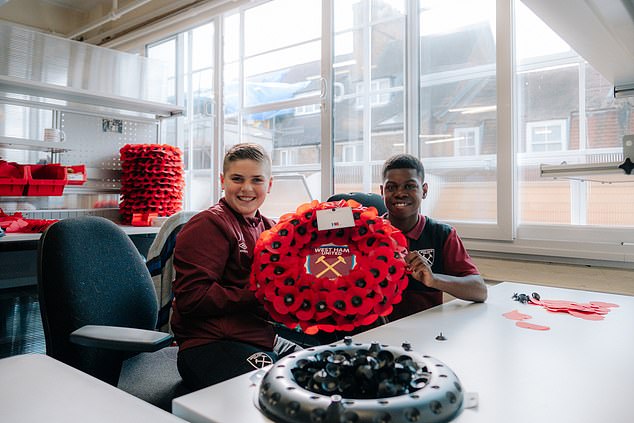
x=368, y=199
x=160, y=259
x=90, y=272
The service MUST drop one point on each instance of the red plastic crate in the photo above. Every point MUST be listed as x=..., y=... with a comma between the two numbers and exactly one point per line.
x=76, y=175
x=47, y=179
x=13, y=178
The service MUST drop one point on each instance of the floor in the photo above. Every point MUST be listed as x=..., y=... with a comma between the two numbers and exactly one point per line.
x=589, y=278
x=20, y=322
x=21, y=325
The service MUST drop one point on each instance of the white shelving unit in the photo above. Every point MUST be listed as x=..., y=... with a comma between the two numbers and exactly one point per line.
x=79, y=85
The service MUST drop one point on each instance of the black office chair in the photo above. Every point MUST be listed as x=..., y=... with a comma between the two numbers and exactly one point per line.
x=368, y=199
x=160, y=263
x=99, y=309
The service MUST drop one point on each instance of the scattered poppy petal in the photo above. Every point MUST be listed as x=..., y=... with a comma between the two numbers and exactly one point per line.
x=586, y=316
x=526, y=325
x=516, y=315
x=602, y=304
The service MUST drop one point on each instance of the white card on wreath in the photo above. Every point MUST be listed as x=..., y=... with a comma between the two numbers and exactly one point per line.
x=337, y=218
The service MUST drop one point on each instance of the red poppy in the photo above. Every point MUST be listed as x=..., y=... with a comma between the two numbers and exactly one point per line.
x=357, y=277
x=320, y=305
x=303, y=233
x=396, y=272
x=375, y=270
x=287, y=300
x=279, y=240
x=289, y=279
x=358, y=301
x=383, y=307
x=270, y=292
x=306, y=212
x=369, y=319
x=323, y=237
x=306, y=309
x=273, y=271
x=336, y=301
x=352, y=203
x=345, y=323
x=266, y=257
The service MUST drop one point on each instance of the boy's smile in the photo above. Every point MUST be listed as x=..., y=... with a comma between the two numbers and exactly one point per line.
x=246, y=184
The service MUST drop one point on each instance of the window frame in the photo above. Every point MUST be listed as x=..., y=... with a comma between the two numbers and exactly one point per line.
x=506, y=236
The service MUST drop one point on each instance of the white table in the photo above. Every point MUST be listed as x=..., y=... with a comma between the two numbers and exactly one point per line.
x=36, y=388
x=578, y=371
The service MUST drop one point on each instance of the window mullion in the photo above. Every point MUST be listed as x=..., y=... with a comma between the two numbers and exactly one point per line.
x=219, y=116
x=366, y=178
x=506, y=121
x=412, y=78
x=327, y=100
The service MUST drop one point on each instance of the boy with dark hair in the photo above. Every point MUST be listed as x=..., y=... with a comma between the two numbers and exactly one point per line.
x=437, y=258
x=220, y=327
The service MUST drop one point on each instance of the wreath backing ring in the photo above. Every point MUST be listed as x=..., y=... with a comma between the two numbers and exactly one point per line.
x=294, y=297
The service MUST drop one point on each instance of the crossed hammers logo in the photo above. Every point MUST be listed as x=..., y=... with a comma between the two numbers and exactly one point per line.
x=329, y=266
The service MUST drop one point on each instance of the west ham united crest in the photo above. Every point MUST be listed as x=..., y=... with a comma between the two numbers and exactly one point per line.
x=259, y=360
x=428, y=255
x=330, y=261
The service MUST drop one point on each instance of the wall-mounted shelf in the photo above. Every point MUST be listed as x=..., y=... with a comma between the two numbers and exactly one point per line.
x=33, y=145
x=610, y=172
x=35, y=93
x=593, y=172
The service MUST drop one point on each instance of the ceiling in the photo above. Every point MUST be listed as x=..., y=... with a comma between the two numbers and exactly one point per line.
x=92, y=21
x=602, y=31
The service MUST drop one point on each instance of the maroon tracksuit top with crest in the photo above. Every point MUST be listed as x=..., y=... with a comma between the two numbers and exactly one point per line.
x=212, y=259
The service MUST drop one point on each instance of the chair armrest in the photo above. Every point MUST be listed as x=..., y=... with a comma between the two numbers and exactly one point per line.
x=120, y=338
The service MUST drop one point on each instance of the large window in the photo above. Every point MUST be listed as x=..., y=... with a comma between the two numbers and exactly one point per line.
x=190, y=56
x=272, y=92
x=482, y=90
x=566, y=114
x=369, y=66
x=457, y=112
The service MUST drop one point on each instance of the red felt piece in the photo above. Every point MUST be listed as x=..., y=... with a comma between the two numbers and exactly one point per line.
x=516, y=315
x=526, y=325
x=593, y=310
x=602, y=304
x=586, y=316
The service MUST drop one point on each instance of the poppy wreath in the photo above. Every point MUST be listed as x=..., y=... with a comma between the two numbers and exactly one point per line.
x=294, y=297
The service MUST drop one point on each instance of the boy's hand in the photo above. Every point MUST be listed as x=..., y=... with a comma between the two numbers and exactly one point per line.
x=420, y=269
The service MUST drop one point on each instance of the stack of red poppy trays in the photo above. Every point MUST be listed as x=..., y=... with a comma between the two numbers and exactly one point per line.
x=151, y=182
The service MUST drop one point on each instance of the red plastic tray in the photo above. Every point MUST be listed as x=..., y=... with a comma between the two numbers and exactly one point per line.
x=76, y=175
x=13, y=178
x=47, y=179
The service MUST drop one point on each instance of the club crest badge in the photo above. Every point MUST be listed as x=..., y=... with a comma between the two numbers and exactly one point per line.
x=330, y=261
x=428, y=255
x=259, y=360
